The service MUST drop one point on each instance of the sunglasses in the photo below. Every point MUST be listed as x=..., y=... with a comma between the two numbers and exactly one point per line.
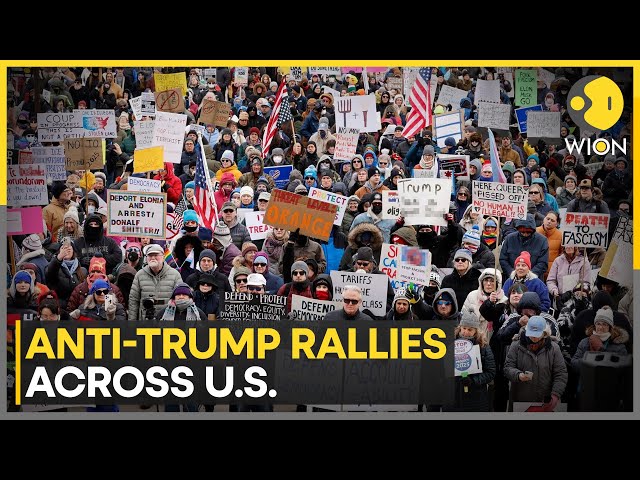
x=252, y=288
x=383, y=164
x=461, y=260
x=206, y=284
x=443, y=302
x=462, y=194
x=241, y=280
x=298, y=272
x=259, y=264
x=358, y=161
x=102, y=292
x=309, y=178
x=585, y=188
x=350, y=301
x=363, y=264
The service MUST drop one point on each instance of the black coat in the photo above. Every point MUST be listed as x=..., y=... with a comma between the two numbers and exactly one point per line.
x=59, y=279
x=476, y=397
x=209, y=303
x=462, y=285
x=222, y=281
x=340, y=315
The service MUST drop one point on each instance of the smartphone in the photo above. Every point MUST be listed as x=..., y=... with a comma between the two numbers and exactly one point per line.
x=108, y=300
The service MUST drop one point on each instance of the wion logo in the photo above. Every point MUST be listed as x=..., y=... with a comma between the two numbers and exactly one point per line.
x=595, y=103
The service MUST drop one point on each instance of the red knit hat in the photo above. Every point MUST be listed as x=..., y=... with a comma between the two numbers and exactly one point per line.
x=523, y=257
x=98, y=264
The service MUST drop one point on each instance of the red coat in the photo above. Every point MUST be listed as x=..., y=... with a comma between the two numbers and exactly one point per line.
x=172, y=183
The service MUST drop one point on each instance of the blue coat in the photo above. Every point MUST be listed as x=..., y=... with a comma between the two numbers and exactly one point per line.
x=273, y=283
x=514, y=244
x=332, y=253
x=533, y=284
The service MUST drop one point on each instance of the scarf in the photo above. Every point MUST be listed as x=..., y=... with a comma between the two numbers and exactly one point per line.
x=71, y=265
x=534, y=347
x=181, y=305
x=603, y=336
x=490, y=238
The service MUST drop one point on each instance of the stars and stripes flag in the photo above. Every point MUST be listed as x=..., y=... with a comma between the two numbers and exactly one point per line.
x=203, y=201
x=420, y=115
x=178, y=211
x=280, y=114
x=498, y=174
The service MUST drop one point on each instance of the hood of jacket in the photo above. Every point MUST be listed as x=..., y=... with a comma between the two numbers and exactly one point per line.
x=491, y=272
x=601, y=299
x=528, y=222
x=408, y=234
x=326, y=278
x=529, y=300
x=452, y=294
x=94, y=217
x=376, y=234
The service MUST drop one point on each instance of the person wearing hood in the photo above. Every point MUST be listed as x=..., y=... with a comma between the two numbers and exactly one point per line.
x=181, y=306
x=65, y=273
x=274, y=247
x=169, y=183
x=618, y=184
x=470, y=218
x=22, y=295
x=363, y=235
x=401, y=308
x=300, y=247
x=310, y=158
x=474, y=149
x=527, y=239
x=489, y=234
x=444, y=307
x=608, y=166
x=462, y=201
x=257, y=171
x=373, y=184
x=350, y=214
x=311, y=122
x=225, y=143
x=508, y=169
x=276, y=158
x=464, y=277
x=370, y=157
x=556, y=175
x=322, y=287
x=299, y=284
x=94, y=241
x=507, y=153
x=567, y=193
x=482, y=257
x=223, y=195
x=489, y=288
x=33, y=252
x=374, y=215
x=325, y=165
x=206, y=296
x=523, y=274
x=53, y=214
x=253, y=140
x=322, y=136
x=547, y=197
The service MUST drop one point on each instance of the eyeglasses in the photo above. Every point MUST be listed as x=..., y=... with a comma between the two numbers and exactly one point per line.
x=363, y=264
x=241, y=280
x=461, y=260
x=298, y=273
x=443, y=302
x=383, y=164
x=259, y=264
x=102, y=292
x=350, y=301
x=225, y=160
x=253, y=288
x=263, y=201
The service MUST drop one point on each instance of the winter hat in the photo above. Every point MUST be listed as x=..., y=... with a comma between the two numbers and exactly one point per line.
x=99, y=284
x=570, y=177
x=395, y=172
x=365, y=254
x=490, y=223
x=472, y=236
x=487, y=168
x=353, y=198
x=246, y=190
x=260, y=257
x=263, y=179
x=535, y=326
x=191, y=185
x=523, y=257
x=401, y=294
x=189, y=216
x=207, y=253
x=623, y=160
x=228, y=177
x=450, y=142
x=241, y=271
x=372, y=171
x=324, y=124
x=256, y=279
x=57, y=188
x=604, y=314
x=98, y=264
x=476, y=163
x=255, y=130
x=310, y=172
x=228, y=154
x=102, y=176
x=248, y=247
x=205, y=234
x=300, y=190
x=29, y=266
x=300, y=265
x=435, y=277
x=32, y=242
x=312, y=264
x=428, y=150
x=273, y=84
x=182, y=289
x=509, y=167
x=265, y=196
x=535, y=157
x=22, y=276
x=72, y=214
x=469, y=320
x=463, y=253
x=208, y=279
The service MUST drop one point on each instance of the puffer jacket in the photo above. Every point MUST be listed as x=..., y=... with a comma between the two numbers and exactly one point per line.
x=514, y=244
x=554, y=238
x=562, y=267
x=145, y=284
x=429, y=312
x=172, y=184
x=80, y=292
x=476, y=298
x=533, y=284
x=614, y=344
x=462, y=285
x=90, y=310
x=354, y=243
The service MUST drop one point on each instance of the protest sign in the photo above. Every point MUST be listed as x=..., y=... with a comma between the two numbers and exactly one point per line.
x=346, y=143
x=396, y=83
x=170, y=101
x=570, y=281
x=279, y=174
x=53, y=127
x=424, y=201
x=325, y=71
x=96, y=123
x=136, y=107
x=504, y=200
x=46, y=94
x=335, y=199
x=357, y=112
x=584, y=229
x=241, y=76
x=543, y=125
x=309, y=309
x=414, y=265
x=373, y=285
x=12, y=156
x=522, y=114
x=144, y=133
x=458, y=163
x=487, y=91
x=24, y=221
x=494, y=115
x=296, y=73
x=334, y=93
x=450, y=96
x=168, y=132
x=389, y=258
x=448, y=125
x=148, y=104
x=83, y=153
x=25, y=157
x=213, y=112
x=257, y=229
x=53, y=160
x=171, y=227
x=289, y=211
x=26, y=185
x=592, y=168
x=148, y=159
x=409, y=76
x=169, y=81
x=422, y=173
x=467, y=357
x=546, y=76
x=238, y=306
x=526, y=87
x=135, y=184
x=507, y=77
x=619, y=258
x=209, y=73
x=136, y=214
x=390, y=205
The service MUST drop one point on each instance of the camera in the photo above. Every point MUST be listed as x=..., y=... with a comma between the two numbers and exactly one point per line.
x=148, y=304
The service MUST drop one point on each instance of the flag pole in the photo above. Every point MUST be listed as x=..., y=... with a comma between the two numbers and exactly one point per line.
x=205, y=165
x=497, y=244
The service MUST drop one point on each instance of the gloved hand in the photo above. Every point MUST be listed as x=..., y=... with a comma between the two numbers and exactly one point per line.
x=164, y=186
x=293, y=236
x=414, y=293
x=551, y=406
x=110, y=309
x=421, y=141
x=595, y=344
x=564, y=298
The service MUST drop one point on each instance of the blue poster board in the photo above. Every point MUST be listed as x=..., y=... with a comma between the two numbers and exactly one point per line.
x=280, y=174
x=521, y=115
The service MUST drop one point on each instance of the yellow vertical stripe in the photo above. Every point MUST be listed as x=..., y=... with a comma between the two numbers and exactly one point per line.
x=17, y=350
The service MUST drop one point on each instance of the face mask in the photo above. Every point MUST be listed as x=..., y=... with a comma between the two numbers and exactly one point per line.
x=133, y=256
x=211, y=86
x=323, y=133
x=322, y=295
x=472, y=248
x=431, y=291
x=183, y=304
x=277, y=159
x=377, y=209
x=91, y=209
x=190, y=229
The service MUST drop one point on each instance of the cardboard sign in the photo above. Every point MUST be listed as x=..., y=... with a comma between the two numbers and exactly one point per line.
x=467, y=357
x=389, y=258
x=424, y=201
x=169, y=81
x=148, y=159
x=414, y=265
x=241, y=76
x=53, y=160
x=504, y=200
x=238, y=306
x=458, y=163
x=168, y=132
x=374, y=289
x=257, y=229
x=213, y=112
x=279, y=174
x=543, y=125
x=450, y=96
x=289, y=211
x=357, y=112
x=396, y=83
x=135, y=184
x=335, y=199
x=170, y=101
x=296, y=73
x=53, y=127
x=619, y=258
x=487, y=91
x=526, y=87
x=390, y=205
x=346, y=143
x=522, y=114
x=585, y=229
x=26, y=186
x=83, y=153
x=494, y=115
x=546, y=76
x=448, y=125
x=310, y=309
x=24, y=221
x=144, y=133
x=136, y=214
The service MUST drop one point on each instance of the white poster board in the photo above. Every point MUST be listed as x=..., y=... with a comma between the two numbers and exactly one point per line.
x=618, y=261
x=424, y=201
x=448, y=125
x=584, y=229
x=389, y=258
x=346, y=143
x=494, y=115
x=543, y=124
x=53, y=160
x=168, y=132
x=136, y=214
x=257, y=229
x=135, y=184
x=374, y=289
x=504, y=200
x=26, y=185
x=144, y=133
x=487, y=91
x=414, y=265
x=357, y=112
x=332, y=198
x=310, y=309
x=390, y=205
x=451, y=96
x=467, y=357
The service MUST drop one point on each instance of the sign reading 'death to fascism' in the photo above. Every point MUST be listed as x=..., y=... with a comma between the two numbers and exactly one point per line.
x=424, y=201
x=500, y=199
x=303, y=308
x=584, y=229
x=139, y=214
x=289, y=211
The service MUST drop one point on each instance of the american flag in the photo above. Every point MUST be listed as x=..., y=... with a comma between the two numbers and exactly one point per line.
x=178, y=211
x=420, y=99
x=498, y=174
x=281, y=113
x=203, y=201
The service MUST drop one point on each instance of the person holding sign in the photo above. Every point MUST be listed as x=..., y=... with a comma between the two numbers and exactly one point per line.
x=170, y=184
x=374, y=215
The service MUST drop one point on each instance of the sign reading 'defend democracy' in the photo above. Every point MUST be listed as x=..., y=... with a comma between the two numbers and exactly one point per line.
x=136, y=214
x=135, y=184
x=374, y=289
x=309, y=309
x=237, y=306
x=335, y=199
x=584, y=229
x=500, y=199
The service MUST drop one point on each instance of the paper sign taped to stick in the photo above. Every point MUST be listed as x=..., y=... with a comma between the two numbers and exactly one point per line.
x=374, y=289
x=395, y=83
x=309, y=309
x=339, y=200
x=618, y=261
x=448, y=125
x=523, y=113
x=389, y=258
x=414, y=265
x=494, y=115
x=171, y=227
x=257, y=229
x=346, y=143
x=136, y=107
x=526, y=87
x=487, y=91
x=390, y=205
x=424, y=201
x=135, y=184
x=357, y=112
x=584, y=229
x=136, y=214
x=168, y=81
x=170, y=101
x=148, y=159
x=504, y=200
x=289, y=211
x=451, y=96
x=26, y=185
x=325, y=71
x=24, y=221
x=168, y=132
x=83, y=153
x=241, y=76
x=144, y=133
x=543, y=125
x=458, y=163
